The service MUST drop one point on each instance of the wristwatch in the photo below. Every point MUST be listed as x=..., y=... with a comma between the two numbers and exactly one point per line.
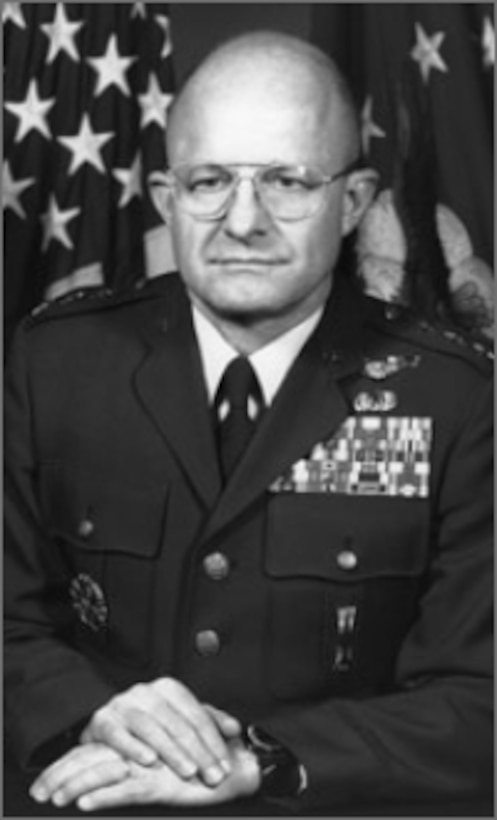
x=281, y=773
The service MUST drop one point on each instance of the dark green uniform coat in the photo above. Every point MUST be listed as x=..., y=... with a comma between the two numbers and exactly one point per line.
x=337, y=591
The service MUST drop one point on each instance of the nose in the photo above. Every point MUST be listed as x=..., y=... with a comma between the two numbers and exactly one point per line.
x=246, y=214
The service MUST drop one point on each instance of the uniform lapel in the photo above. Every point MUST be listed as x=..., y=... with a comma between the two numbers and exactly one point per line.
x=170, y=386
x=309, y=408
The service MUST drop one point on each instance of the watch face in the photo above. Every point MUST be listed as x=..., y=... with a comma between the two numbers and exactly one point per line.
x=281, y=773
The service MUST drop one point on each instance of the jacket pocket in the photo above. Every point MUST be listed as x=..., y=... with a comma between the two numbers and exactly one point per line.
x=345, y=573
x=109, y=534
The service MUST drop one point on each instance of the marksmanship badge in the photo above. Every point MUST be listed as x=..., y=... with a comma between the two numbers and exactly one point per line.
x=89, y=601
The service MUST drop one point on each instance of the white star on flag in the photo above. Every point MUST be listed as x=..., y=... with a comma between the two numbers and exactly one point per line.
x=488, y=43
x=426, y=52
x=61, y=34
x=154, y=104
x=139, y=10
x=54, y=224
x=13, y=12
x=111, y=68
x=369, y=128
x=163, y=22
x=12, y=190
x=86, y=146
x=130, y=179
x=31, y=112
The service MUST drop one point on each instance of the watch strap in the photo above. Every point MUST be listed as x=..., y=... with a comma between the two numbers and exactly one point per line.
x=281, y=773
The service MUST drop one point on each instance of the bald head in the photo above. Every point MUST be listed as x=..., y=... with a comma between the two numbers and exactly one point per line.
x=264, y=71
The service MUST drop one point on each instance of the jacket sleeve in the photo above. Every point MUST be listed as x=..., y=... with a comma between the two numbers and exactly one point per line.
x=49, y=687
x=426, y=747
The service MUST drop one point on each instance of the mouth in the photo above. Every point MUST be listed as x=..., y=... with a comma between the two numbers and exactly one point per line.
x=250, y=261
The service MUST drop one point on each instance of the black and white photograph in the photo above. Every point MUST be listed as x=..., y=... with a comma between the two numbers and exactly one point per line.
x=248, y=409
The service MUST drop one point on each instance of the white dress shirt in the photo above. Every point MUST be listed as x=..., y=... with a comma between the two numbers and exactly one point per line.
x=271, y=363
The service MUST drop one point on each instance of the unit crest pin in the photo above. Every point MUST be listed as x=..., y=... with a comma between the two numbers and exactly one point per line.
x=89, y=602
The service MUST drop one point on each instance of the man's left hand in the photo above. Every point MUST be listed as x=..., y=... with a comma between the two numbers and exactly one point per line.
x=97, y=778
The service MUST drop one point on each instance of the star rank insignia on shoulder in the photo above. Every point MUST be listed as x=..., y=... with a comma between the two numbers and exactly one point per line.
x=70, y=302
x=92, y=298
x=400, y=321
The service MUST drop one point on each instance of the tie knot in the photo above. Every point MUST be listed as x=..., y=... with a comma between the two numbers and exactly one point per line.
x=238, y=384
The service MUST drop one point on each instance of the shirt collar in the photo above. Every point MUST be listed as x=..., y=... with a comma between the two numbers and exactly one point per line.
x=271, y=362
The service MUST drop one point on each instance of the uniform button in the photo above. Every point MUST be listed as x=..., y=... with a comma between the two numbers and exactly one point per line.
x=347, y=559
x=392, y=312
x=216, y=566
x=207, y=642
x=85, y=528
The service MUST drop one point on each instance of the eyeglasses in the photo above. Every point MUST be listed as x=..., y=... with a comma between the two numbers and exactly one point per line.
x=287, y=192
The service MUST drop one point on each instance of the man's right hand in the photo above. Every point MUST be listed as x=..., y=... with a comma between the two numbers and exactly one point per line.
x=163, y=720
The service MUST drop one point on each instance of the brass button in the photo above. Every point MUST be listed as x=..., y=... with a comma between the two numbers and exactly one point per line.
x=216, y=566
x=85, y=528
x=207, y=642
x=347, y=560
x=392, y=312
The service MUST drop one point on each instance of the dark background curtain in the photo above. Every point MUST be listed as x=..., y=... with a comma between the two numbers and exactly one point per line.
x=86, y=89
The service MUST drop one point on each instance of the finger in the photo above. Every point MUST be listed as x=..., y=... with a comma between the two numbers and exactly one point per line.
x=75, y=761
x=157, y=784
x=128, y=792
x=187, y=738
x=229, y=726
x=89, y=779
x=114, y=732
x=197, y=731
x=163, y=738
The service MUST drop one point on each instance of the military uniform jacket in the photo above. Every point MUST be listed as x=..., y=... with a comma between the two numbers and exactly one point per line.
x=337, y=591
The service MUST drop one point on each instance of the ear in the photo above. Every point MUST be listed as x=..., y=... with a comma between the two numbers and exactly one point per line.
x=360, y=188
x=160, y=193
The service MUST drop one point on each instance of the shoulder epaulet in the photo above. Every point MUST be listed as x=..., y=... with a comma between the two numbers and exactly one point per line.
x=398, y=320
x=90, y=299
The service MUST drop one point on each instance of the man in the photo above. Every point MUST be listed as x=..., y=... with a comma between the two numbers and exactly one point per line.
x=296, y=622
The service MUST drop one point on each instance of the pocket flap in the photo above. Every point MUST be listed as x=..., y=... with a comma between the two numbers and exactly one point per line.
x=346, y=538
x=101, y=512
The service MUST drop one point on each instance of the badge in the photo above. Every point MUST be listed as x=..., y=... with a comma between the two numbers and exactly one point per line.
x=381, y=401
x=89, y=602
x=380, y=369
x=368, y=455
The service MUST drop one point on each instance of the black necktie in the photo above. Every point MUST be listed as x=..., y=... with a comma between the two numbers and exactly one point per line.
x=238, y=405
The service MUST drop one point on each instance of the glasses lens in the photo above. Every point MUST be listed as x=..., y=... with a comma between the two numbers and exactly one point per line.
x=291, y=192
x=204, y=189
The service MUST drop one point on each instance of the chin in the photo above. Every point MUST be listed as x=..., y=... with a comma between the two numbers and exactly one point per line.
x=236, y=298
x=243, y=312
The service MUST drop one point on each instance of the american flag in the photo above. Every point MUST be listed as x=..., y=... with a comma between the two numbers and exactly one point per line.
x=447, y=52
x=86, y=94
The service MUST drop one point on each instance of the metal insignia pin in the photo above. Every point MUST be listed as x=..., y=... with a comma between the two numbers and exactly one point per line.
x=380, y=402
x=89, y=602
x=363, y=402
x=379, y=369
x=388, y=400
x=376, y=369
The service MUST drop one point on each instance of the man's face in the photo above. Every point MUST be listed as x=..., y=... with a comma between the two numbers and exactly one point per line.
x=248, y=264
